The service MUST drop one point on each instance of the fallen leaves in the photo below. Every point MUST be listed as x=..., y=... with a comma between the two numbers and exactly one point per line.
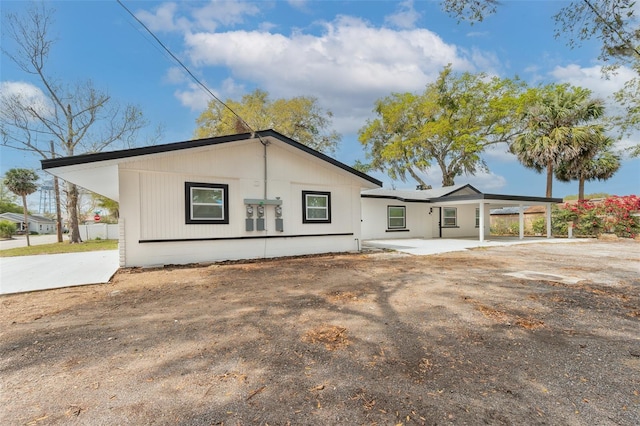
x=332, y=336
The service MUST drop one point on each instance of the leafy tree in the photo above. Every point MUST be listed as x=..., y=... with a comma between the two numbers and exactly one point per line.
x=300, y=118
x=22, y=182
x=613, y=22
x=449, y=124
x=75, y=119
x=108, y=204
x=596, y=160
x=8, y=200
x=557, y=128
x=7, y=228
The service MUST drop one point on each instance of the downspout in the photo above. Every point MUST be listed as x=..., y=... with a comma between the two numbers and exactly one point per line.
x=440, y=222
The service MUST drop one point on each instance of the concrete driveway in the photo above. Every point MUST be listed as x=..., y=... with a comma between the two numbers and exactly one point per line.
x=30, y=273
x=421, y=247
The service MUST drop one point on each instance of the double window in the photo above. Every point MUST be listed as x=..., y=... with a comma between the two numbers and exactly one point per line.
x=449, y=217
x=396, y=217
x=206, y=203
x=316, y=207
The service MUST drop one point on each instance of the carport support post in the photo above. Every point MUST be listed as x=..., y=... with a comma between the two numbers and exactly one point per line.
x=521, y=221
x=548, y=220
x=481, y=220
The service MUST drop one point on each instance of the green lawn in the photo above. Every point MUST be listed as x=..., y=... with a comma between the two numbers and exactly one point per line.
x=92, y=245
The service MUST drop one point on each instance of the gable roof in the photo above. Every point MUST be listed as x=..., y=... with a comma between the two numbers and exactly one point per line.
x=19, y=217
x=424, y=196
x=104, y=164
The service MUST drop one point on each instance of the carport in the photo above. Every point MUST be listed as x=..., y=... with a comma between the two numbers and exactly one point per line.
x=497, y=201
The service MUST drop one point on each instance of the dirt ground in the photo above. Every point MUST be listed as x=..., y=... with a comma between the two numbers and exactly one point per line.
x=358, y=339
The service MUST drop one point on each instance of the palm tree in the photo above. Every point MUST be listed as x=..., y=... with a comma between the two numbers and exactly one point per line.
x=22, y=182
x=557, y=128
x=596, y=161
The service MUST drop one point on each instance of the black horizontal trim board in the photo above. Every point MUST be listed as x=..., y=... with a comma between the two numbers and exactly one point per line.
x=252, y=237
x=397, y=230
x=394, y=197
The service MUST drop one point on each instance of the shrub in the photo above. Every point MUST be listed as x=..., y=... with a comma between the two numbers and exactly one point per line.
x=613, y=215
x=7, y=229
x=539, y=225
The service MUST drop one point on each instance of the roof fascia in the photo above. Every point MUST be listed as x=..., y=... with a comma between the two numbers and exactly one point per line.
x=501, y=197
x=177, y=146
x=390, y=197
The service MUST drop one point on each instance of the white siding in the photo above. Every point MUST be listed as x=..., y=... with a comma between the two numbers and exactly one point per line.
x=374, y=219
x=152, y=199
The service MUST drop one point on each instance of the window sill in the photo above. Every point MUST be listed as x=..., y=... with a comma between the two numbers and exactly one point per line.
x=445, y=227
x=398, y=230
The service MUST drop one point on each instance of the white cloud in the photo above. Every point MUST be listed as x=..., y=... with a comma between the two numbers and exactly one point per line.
x=483, y=181
x=591, y=78
x=209, y=17
x=27, y=94
x=194, y=97
x=347, y=67
x=405, y=17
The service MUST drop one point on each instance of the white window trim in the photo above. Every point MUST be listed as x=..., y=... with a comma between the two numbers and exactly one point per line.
x=444, y=217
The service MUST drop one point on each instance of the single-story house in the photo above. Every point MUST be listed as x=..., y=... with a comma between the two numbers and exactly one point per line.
x=242, y=196
x=262, y=194
x=458, y=211
x=37, y=224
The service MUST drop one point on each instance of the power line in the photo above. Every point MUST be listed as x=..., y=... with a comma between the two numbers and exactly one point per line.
x=201, y=84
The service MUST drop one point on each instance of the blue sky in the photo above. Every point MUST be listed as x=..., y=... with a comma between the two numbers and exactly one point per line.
x=345, y=53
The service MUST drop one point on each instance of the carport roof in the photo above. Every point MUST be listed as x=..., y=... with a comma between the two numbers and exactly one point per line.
x=458, y=194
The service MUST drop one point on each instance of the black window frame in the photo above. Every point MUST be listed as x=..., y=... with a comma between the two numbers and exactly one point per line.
x=305, y=219
x=404, y=217
x=444, y=218
x=188, y=206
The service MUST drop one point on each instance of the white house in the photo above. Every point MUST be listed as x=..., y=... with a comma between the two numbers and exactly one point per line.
x=231, y=197
x=457, y=211
x=37, y=224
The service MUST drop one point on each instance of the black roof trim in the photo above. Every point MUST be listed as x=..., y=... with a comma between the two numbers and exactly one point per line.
x=391, y=197
x=176, y=146
x=481, y=196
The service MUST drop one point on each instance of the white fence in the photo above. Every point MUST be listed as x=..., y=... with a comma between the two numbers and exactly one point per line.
x=101, y=231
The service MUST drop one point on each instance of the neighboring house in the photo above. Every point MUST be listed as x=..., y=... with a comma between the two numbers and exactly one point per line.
x=37, y=224
x=459, y=211
x=230, y=197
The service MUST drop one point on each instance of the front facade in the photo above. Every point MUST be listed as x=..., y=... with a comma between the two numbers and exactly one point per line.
x=233, y=197
x=459, y=211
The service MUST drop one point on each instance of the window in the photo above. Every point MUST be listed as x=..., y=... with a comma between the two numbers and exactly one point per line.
x=206, y=203
x=450, y=216
x=396, y=217
x=316, y=207
x=477, y=217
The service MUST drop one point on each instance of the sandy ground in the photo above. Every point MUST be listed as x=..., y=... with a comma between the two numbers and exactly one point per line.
x=535, y=334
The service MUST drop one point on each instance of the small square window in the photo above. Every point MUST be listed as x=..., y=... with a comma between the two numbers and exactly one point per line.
x=396, y=217
x=316, y=207
x=206, y=203
x=450, y=216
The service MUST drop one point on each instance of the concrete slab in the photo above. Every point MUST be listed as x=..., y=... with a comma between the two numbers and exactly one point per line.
x=31, y=273
x=423, y=247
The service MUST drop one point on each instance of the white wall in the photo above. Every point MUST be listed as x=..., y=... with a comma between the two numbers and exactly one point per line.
x=103, y=231
x=152, y=205
x=375, y=225
x=466, y=224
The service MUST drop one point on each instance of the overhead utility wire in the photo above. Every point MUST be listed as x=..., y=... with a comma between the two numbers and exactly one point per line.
x=201, y=84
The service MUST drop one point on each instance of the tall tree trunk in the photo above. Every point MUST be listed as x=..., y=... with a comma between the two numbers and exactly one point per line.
x=549, y=179
x=581, y=189
x=448, y=179
x=413, y=174
x=72, y=211
x=26, y=218
x=56, y=189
